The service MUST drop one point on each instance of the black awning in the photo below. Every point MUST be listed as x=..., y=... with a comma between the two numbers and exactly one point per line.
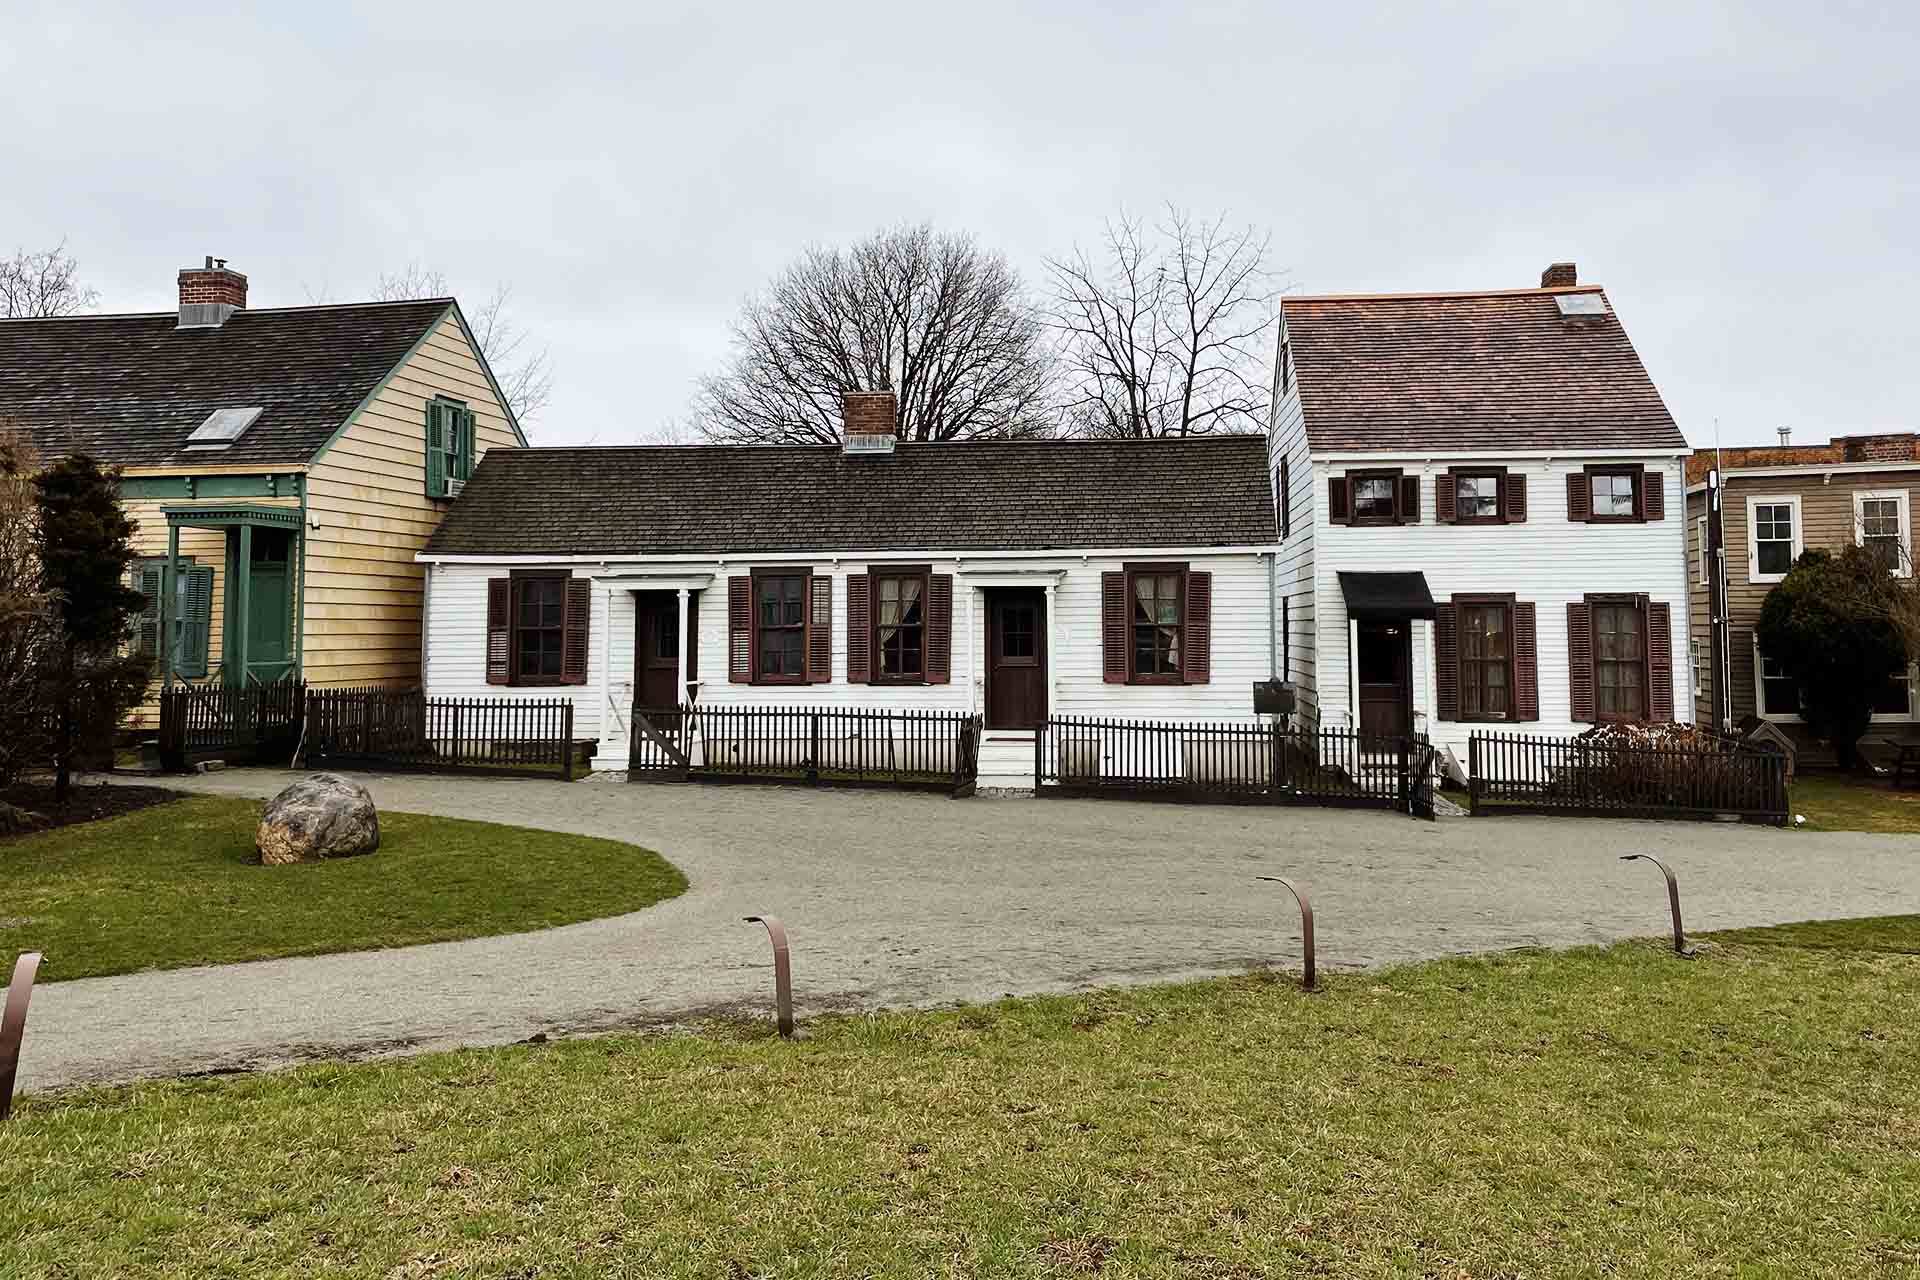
x=1386, y=597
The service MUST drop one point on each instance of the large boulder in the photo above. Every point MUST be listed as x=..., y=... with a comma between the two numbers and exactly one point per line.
x=321, y=816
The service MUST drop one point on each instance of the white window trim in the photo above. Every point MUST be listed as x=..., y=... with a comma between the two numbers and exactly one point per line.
x=1759, y=697
x=1860, y=497
x=1756, y=501
x=1700, y=551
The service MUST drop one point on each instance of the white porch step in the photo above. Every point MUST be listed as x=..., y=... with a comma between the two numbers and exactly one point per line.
x=1006, y=759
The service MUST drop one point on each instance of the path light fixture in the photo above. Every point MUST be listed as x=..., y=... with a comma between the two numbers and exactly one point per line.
x=1680, y=947
x=782, y=974
x=13, y=1024
x=1306, y=925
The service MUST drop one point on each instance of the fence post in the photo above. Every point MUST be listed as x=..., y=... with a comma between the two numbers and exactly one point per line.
x=566, y=741
x=813, y=750
x=1039, y=751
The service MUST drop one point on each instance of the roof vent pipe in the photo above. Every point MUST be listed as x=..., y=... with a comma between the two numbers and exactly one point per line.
x=1785, y=434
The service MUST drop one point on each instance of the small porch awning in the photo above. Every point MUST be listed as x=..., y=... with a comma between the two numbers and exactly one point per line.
x=1386, y=597
x=232, y=515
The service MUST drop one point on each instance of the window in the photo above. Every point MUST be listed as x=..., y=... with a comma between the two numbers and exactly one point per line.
x=900, y=625
x=1286, y=367
x=1700, y=551
x=1697, y=653
x=1373, y=499
x=1779, y=692
x=780, y=627
x=1156, y=634
x=450, y=447
x=1615, y=494
x=539, y=628
x=1773, y=536
x=1282, y=482
x=1880, y=525
x=1619, y=661
x=1486, y=661
x=1476, y=498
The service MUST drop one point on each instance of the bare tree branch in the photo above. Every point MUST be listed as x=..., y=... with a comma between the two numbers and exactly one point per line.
x=1168, y=331
x=525, y=374
x=43, y=283
x=934, y=318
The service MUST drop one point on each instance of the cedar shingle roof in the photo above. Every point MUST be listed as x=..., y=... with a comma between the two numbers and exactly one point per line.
x=976, y=495
x=130, y=389
x=1480, y=371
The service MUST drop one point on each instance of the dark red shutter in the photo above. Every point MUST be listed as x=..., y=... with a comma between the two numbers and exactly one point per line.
x=819, y=628
x=1580, y=661
x=499, y=629
x=1653, y=495
x=1579, y=497
x=1286, y=500
x=1409, y=499
x=1526, y=662
x=740, y=629
x=575, y=623
x=1337, y=508
x=1446, y=661
x=1197, y=660
x=1446, y=489
x=1113, y=627
x=939, y=628
x=859, y=628
x=1513, y=499
x=1659, y=662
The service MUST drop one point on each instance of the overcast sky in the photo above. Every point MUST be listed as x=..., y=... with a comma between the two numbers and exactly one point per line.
x=1745, y=178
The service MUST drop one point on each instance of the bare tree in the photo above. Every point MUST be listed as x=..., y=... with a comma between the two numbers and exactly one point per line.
x=43, y=283
x=933, y=317
x=525, y=374
x=1165, y=330
x=26, y=621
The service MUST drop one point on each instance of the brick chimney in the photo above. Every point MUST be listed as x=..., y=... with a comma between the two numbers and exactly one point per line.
x=1561, y=275
x=1894, y=447
x=869, y=421
x=209, y=294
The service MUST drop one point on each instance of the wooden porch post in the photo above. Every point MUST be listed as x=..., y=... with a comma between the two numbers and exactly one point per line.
x=243, y=598
x=162, y=640
x=680, y=662
x=1053, y=655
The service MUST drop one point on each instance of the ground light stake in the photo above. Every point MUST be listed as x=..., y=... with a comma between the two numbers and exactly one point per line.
x=1306, y=925
x=1680, y=947
x=782, y=973
x=13, y=1024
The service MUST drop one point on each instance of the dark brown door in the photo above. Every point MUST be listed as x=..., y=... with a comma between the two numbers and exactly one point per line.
x=656, y=647
x=1016, y=658
x=1386, y=687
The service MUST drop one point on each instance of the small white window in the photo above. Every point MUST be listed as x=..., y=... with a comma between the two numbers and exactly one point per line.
x=1698, y=649
x=1773, y=537
x=1880, y=523
x=1700, y=551
x=1778, y=694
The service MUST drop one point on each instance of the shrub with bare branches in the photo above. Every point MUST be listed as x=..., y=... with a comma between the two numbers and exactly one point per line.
x=27, y=617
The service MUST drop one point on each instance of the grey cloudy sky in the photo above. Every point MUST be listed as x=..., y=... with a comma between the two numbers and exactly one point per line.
x=1742, y=177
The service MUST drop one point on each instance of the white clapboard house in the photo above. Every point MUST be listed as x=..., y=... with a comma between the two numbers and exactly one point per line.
x=1015, y=580
x=1480, y=507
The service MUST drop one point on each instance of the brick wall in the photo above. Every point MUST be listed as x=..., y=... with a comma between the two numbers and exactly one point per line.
x=865, y=413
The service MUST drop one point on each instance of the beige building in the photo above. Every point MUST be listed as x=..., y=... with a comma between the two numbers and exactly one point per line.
x=283, y=465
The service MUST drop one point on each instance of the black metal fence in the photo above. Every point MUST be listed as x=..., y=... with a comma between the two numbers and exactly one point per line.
x=817, y=746
x=1713, y=778
x=405, y=729
x=1231, y=762
x=241, y=725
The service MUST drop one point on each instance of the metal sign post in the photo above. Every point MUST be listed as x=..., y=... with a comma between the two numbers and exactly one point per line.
x=13, y=1024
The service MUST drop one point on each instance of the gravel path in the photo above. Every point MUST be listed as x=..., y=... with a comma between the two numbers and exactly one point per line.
x=905, y=899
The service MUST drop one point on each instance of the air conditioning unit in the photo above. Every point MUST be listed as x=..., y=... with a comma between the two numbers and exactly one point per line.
x=454, y=487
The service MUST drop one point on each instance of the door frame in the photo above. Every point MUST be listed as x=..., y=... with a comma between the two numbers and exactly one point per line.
x=1405, y=682
x=992, y=596
x=686, y=663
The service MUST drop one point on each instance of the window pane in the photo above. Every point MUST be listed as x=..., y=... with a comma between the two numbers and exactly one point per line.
x=1373, y=496
x=1478, y=497
x=1612, y=493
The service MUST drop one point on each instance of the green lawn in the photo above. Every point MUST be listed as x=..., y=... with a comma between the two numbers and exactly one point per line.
x=1835, y=802
x=176, y=885
x=1616, y=1112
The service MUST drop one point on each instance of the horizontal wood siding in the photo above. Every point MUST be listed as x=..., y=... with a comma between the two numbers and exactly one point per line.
x=368, y=492
x=1548, y=560
x=456, y=658
x=1294, y=567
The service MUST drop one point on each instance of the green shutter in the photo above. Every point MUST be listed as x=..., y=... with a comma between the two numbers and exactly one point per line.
x=463, y=467
x=146, y=578
x=196, y=620
x=437, y=426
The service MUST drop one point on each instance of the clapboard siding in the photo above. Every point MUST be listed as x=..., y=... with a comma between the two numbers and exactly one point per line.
x=367, y=503
x=1294, y=585
x=1548, y=560
x=457, y=627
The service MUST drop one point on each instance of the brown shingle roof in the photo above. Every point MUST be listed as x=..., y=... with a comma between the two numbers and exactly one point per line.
x=1470, y=371
x=973, y=495
x=130, y=389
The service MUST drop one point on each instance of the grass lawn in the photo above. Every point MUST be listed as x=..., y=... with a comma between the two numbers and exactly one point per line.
x=176, y=885
x=1755, y=1112
x=1833, y=802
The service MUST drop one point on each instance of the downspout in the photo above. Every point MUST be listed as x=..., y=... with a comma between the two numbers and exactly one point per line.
x=1273, y=621
x=426, y=621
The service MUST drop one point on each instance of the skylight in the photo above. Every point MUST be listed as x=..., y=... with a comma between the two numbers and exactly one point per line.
x=222, y=428
x=1581, y=304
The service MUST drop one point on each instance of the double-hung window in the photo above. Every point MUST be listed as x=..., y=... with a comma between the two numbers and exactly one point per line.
x=539, y=628
x=900, y=625
x=1486, y=660
x=1476, y=498
x=780, y=627
x=1619, y=661
x=1774, y=536
x=1880, y=524
x=1158, y=623
x=450, y=447
x=1615, y=494
x=1374, y=499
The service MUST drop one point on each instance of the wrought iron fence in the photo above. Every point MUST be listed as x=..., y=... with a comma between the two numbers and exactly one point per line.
x=1251, y=762
x=207, y=721
x=1713, y=778
x=405, y=729
x=818, y=746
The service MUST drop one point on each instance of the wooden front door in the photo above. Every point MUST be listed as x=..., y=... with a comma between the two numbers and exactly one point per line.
x=1016, y=658
x=1385, y=661
x=656, y=647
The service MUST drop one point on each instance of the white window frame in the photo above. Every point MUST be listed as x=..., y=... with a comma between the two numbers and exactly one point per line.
x=1697, y=656
x=1754, y=503
x=1759, y=697
x=1860, y=498
x=1700, y=551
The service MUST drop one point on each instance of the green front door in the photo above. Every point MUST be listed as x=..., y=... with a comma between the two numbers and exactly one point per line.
x=263, y=599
